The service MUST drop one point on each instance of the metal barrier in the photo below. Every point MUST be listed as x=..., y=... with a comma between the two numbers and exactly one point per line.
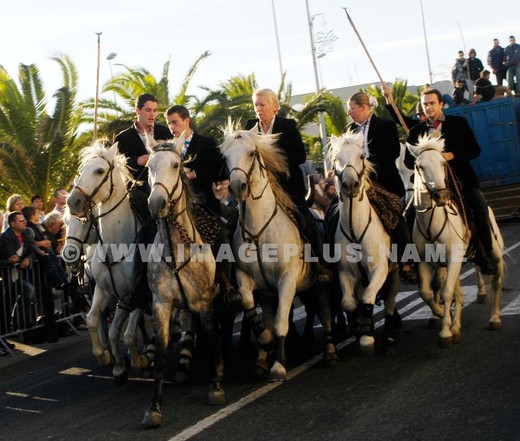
x=30, y=306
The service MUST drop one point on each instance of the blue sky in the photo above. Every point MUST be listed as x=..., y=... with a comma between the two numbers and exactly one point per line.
x=240, y=34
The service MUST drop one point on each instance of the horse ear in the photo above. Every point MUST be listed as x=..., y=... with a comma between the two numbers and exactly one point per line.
x=150, y=142
x=411, y=149
x=112, y=151
x=179, y=142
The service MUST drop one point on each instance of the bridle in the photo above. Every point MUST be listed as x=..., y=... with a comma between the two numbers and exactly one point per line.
x=360, y=175
x=431, y=193
x=170, y=193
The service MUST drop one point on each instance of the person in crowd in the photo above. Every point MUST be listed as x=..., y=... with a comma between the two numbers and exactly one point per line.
x=382, y=147
x=512, y=62
x=43, y=249
x=495, y=60
x=290, y=143
x=459, y=92
x=460, y=147
x=16, y=252
x=474, y=66
x=54, y=229
x=484, y=90
x=201, y=156
x=459, y=71
x=38, y=203
x=60, y=196
x=14, y=203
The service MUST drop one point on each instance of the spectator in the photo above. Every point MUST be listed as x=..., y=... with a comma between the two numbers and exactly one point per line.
x=43, y=249
x=494, y=60
x=16, y=252
x=37, y=202
x=502, y=92
x=60, y=200
x=14, y=203
x=512, y=62
x=458, y=93
x=474, y=66
x=53, y=227
x=484, y=90
x=459, y=71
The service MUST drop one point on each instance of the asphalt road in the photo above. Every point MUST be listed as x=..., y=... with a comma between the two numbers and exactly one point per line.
x=468, y=391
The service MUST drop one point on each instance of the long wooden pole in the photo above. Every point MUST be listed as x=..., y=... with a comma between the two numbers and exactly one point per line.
x=392, y=102
x=96, y=102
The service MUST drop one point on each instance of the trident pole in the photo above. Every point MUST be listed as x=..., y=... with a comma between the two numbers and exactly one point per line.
x=96, y=102
x=392, y=102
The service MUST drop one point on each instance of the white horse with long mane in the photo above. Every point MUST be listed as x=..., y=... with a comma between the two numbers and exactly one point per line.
x=102, y=186
x=183, y=277
x=268, y=246
x=441, y=234
x=366, y=271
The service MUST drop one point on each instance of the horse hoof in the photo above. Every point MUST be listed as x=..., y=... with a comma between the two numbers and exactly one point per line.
x=150, y=352
x=216, y=397
x=481, y=298
x=389, y=347
x=445, y=342
x=259, y=371
x=495, y=326
x=121, y=379
x=457, y=338
x=278, y=372
x=433, y=323
x=330, y=359
x=106, y=358
x=152, y=419
x=366, y=344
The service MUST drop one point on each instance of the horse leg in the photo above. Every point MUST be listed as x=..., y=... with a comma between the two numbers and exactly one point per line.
x=482, y=285
x=119, y=371
x=391, y=288
x=94, y=317
x=216, y=395
x=425, y=289
x=495, y=323
x=188, y=347
x=348, y=302
x=269, y=304
x=161, y=319
x=459, y=303
x=138, y=361
x=323, y=301
x=445, y=336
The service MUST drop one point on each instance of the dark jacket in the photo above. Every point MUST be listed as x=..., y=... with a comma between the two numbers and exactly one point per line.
x=383, y=149
x=460, y=140
x=512, y=55
x=290, y=142
x=9, y=246
x=495, y=58
x=131, y=145
x=475, y=67
x=205, y=159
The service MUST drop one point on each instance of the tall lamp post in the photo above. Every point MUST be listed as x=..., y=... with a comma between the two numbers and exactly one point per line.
x=110, y=57
x=323, y=130
x=96, y=102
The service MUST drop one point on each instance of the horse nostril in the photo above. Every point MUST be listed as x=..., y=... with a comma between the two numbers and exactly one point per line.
x=243, y=187
x=163, y=205
x=230, y=189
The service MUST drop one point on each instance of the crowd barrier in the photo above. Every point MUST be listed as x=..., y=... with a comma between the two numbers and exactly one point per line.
x=31, y=308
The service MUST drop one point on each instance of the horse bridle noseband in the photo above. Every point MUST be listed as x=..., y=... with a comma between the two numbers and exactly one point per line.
x=108, y=174
x=360, y=175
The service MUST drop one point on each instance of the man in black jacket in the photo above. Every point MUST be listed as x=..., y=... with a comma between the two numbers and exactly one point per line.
x=201, y=156
x=460, y=147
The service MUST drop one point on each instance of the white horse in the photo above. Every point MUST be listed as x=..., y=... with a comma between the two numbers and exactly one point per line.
x=365, y=275
x=183, y=276
x=102, y=184
x=441, y=226
x=268, y=246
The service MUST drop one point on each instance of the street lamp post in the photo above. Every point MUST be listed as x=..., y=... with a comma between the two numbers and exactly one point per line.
x=323, y=130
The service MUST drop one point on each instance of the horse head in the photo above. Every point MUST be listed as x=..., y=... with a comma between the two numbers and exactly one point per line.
x=80, y=232
x=405, y=173
x=165, y=176
x=97, y=180
x=246, y=153
x=351, y=169
x=430, y=169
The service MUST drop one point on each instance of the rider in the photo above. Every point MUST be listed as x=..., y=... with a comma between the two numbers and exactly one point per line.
x=460, y=147
x=290, y=143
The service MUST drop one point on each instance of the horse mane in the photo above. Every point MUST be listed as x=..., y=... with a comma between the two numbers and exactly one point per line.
x=273, y=158
x=111, y=155
x=426, y=142
x=191, y=197
x=347, y=140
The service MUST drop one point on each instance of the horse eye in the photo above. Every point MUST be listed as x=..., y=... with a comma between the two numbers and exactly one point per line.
x=176, y=165
x=99, y=171
x=363, y=156
x=252, y=153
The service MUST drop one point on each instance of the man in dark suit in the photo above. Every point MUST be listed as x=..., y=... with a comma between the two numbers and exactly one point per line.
x=460, y=147
x=201, y=156
x=132, y=141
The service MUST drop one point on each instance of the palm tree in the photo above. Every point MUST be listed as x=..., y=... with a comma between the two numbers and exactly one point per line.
x=114, y=117
x=38, y=150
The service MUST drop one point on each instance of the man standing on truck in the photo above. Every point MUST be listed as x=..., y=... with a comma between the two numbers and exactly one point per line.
x=512, y=62
x=460, y=147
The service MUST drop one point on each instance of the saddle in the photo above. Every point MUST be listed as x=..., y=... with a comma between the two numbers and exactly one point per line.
x=388, y=206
